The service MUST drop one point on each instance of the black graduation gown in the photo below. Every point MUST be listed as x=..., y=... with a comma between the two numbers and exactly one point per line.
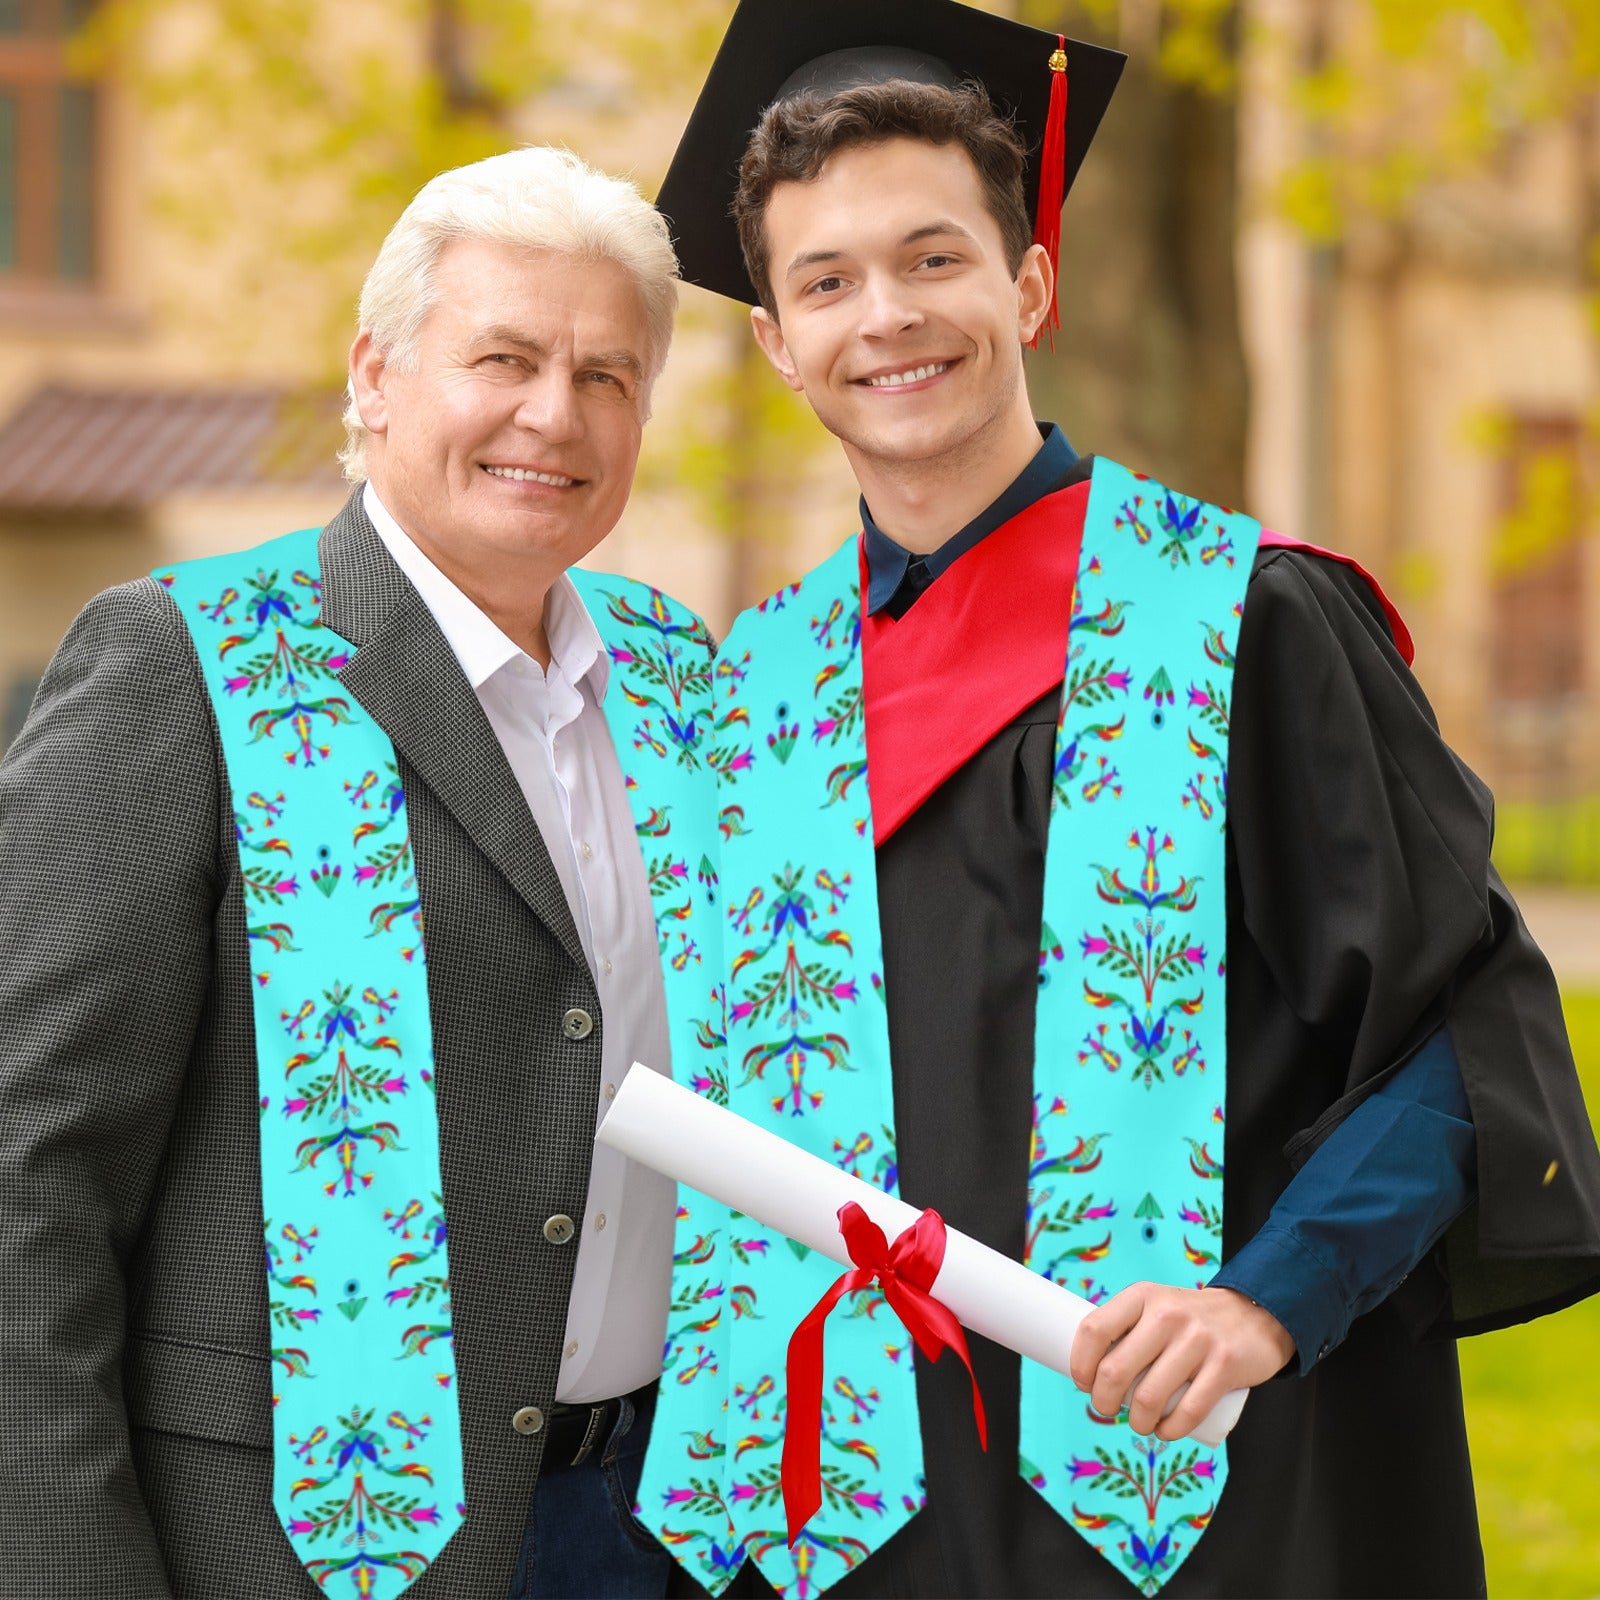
x=1363, y=912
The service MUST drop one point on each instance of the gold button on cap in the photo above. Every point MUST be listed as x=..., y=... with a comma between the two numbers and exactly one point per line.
x=530, y=1419
x=559, y=1229
x=577, y=1024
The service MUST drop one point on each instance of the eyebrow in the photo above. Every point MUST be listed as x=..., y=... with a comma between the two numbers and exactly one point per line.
x=504, y=333
x=623, y=360
x=941, y=228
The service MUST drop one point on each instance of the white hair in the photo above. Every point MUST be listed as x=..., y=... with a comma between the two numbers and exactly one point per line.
x=537, y=197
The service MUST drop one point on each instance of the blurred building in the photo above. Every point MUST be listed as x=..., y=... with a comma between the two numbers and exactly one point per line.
x=1422, y=394
x=1426, y=395
x=119, y=449
x=133, y=433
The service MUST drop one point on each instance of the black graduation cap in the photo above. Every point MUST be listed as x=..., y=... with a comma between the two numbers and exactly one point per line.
x=777, y=48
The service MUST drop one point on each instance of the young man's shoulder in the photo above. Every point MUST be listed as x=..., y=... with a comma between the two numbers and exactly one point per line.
x=1307, y=593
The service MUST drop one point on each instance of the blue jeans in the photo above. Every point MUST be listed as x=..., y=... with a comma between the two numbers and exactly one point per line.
x=583, y=1541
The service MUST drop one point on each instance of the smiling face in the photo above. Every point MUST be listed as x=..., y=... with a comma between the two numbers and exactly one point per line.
x=898, y=316
x=509, y=449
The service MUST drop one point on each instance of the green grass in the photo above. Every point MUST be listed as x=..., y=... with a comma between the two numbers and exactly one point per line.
x=1548, y=841
x=1533, y=1415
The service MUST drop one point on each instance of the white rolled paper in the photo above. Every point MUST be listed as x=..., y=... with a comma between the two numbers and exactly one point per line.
x=682, y=1135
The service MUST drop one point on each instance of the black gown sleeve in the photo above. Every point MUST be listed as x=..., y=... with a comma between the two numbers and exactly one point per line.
x=1360, y=849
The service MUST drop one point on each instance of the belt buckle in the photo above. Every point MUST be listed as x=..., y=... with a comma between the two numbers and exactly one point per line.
x=590, y=1435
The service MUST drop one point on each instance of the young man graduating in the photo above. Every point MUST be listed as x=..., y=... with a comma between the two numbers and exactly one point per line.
x=1143, y=922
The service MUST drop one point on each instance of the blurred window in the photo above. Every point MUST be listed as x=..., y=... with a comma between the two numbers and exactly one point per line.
x=1538, y=566
x=48, y=138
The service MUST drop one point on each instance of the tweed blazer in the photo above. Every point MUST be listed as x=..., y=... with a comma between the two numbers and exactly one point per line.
x=135, y=1381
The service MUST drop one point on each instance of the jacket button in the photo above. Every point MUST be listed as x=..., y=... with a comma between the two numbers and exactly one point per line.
x=530, y=1419
x=577, y=1024
x=559, y=1229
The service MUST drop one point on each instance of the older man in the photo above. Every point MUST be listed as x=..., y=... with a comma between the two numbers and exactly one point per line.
x=251, y=792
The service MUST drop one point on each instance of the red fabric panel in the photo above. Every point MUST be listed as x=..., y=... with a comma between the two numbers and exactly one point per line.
x=936, y=687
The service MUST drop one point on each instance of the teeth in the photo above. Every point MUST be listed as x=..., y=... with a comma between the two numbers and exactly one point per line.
x=518, y=475
x=914, y=375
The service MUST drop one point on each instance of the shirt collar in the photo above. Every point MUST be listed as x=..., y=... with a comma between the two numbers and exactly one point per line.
x=575, y=642
x=888, y=561
x=478, y=642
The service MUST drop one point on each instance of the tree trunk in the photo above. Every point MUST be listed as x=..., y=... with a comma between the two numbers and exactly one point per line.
x=1148, y=367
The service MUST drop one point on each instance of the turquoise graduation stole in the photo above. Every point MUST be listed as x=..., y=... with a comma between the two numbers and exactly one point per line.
x=1129, y=1072
x=367, y=1463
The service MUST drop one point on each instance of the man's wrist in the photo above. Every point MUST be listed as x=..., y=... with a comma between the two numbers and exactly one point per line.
x=1266, y=1321
x=1278, y=1273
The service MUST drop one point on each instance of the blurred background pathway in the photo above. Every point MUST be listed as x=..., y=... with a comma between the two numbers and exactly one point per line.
x=1566, y=922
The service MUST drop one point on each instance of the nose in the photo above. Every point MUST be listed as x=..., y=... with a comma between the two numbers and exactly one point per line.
x=549, y=405
x=888, y=308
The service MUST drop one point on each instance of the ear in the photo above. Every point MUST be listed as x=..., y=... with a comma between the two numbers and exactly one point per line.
x=367, y=373
x=774, y=346
x=1036, y=282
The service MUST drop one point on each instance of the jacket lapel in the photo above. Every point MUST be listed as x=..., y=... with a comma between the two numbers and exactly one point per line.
x=407, y=677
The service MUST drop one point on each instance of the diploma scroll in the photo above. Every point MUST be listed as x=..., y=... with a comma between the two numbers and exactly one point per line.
x=684, y=1136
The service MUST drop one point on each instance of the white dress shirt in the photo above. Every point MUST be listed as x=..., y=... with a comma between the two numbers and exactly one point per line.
x=555, y=737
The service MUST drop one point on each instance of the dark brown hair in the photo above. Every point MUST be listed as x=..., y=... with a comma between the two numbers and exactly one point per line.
x=796, y=137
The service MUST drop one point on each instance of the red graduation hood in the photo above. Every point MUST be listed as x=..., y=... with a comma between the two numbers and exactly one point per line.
x=981, y=645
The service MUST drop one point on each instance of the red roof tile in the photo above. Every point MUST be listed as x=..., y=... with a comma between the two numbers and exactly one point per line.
x=84, y=450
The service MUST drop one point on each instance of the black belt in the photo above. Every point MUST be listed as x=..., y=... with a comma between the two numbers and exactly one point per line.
x=574, y=1433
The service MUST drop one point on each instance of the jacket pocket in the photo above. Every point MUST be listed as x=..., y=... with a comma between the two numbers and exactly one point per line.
x=175, y=1385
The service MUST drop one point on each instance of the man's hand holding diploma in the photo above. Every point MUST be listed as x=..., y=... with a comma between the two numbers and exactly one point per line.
x=1212, y=1339
x=671, y=1129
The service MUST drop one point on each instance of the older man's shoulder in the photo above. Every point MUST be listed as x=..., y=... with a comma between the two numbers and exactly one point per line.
x=126, y=662
x=131, y=633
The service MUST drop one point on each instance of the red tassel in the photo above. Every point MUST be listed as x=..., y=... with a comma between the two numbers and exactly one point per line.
x=1052, y=183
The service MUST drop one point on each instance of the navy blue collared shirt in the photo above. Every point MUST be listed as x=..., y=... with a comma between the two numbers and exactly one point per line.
x=1379, y=1192
x=895, y=577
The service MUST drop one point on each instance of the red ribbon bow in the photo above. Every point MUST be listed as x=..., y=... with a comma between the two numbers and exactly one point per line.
x=905, y=1271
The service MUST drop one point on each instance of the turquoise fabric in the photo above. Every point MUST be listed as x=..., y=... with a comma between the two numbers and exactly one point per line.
x=808, y=1056
x=367, y=1459
x=1130, y=1069
x=659, y=710
x=367, y=1468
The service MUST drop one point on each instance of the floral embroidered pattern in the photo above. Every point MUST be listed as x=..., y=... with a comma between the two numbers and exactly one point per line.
x=790, y=763
x=791, y=978
x=1131, y=1058
x=1149, y=961
x=361, y=1512
x=1049, y=1227
x=343, y=1044
x=1150, y=1543
x=289, y=664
